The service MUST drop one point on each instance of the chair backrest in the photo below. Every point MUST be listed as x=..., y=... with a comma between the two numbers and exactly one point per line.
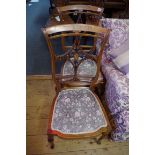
x=87, y=10
x=77, y=53
x=74, y=2
x=80, y=8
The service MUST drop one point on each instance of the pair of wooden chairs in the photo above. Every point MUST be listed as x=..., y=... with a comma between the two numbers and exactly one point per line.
x=76, y=111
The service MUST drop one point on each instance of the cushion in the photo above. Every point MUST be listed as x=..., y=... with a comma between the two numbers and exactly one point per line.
x=117, y=99
x=86, y=67
x=119, y=33
x=122, y=62
x=120, y=50
x=68, y=68
x=77, y=111
x=118, y=36
x=121, y=133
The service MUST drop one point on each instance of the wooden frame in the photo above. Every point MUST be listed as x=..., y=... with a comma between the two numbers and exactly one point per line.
x=92, y=14
x=106, y=130
x=74, y=52
x=74, y=2
x=75, y=30
x=80, y=7
x=87, y=14
x=102, y=132
x=106, y=4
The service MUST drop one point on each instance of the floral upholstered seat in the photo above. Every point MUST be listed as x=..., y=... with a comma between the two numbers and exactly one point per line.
x=77, y=111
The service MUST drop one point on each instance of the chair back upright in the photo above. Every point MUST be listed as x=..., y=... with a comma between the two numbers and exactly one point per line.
x=76, y=53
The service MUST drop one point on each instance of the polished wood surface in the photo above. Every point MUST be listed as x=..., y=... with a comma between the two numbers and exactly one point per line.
x=74, y=2
x=75, y=30
x=80, y=7
x=39, y=98
x=76, y=27
x=86, y=14
x=109, y=4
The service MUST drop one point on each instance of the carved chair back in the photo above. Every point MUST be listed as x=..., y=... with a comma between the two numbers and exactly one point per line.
x=85, y=13
x=75, y=54
x=74, y=2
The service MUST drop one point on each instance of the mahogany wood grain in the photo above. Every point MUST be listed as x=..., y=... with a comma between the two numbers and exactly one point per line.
x=85, y=13
x=75, y=30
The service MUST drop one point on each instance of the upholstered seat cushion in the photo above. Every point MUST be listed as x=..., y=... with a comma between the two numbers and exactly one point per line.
x=86, y=67
x=77, y=111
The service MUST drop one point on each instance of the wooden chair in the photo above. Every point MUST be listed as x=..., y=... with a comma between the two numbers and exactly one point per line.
x=76, y=110
x=110, y=6
x=75, y=2
x=65, y=48
x=86, y=14
x=69, y=14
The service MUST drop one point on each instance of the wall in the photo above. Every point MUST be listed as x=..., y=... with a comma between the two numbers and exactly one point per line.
x=37, y=55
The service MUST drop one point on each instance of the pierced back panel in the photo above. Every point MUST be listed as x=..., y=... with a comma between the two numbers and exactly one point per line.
x=78, y=52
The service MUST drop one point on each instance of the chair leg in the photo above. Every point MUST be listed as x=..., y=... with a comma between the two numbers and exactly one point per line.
x=51, y=140
x=98, y=141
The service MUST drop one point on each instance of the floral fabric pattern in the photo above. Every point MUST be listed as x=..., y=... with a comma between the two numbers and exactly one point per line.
x=117, y=84
x=117, y=89
x=77, y=111
x=87, y=67
x=118, y=36
x=68, y=68
x=121, y=133
x=117, y=98
x=119, y=33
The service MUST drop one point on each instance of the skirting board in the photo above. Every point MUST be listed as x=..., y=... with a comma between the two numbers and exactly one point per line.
x=39, y=77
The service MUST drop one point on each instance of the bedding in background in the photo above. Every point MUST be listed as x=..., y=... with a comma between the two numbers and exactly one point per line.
x=122, y=62
x=117, y=85
x=114, y=52
x=119, y=33
x=117, y=99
